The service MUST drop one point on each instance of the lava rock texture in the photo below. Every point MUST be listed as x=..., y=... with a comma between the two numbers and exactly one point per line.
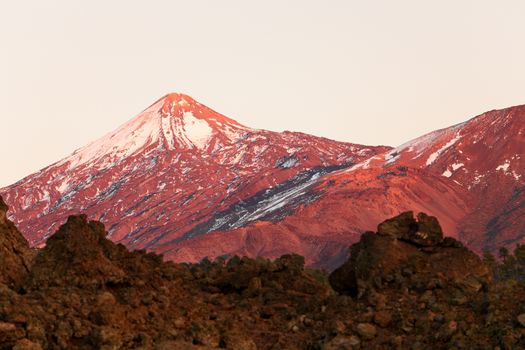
x=403, y=288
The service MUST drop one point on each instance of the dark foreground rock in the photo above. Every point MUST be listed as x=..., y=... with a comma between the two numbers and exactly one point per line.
x=403, y=247
x=84, y=292
x=15, y=254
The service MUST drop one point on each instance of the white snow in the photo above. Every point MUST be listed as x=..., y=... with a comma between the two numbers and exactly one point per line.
x=148, y=128
x=122, y=142
x=275, y=202
x=456, y=166
x=290, y=162
x=391, y=156
x=447, y=173
x=419, y=145
x=477, y=180
x=363, y=165
x=293, y=150
x=63, y=186
x=504, y=166
x=167, y=130
x=198, y=131
x=363, y=152
x=432, y=158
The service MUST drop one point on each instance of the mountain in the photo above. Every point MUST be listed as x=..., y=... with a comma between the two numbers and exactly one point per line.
x=187, y=182
x=484, y=156
x=170, y=169
x=469, y=175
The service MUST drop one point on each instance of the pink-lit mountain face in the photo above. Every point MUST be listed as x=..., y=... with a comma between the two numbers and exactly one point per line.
x=485, y=157
x=470, y=176
x=185, y=181
x=170, y=169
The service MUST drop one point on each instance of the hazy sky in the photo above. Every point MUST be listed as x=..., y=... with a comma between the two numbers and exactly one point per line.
x=372, y=72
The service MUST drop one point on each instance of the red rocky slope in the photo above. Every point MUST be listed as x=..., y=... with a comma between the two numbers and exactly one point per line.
x=484, y=156
x=469, y=175
x=169, y=169
x=348, y=204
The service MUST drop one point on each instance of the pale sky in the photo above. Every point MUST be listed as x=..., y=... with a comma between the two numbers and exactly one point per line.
x=370, y=72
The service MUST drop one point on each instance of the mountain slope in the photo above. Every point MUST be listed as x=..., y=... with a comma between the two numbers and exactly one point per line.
x=469, y=175
x=185, y=181
x=347, y=205
x=485, y=156
x=167, y=170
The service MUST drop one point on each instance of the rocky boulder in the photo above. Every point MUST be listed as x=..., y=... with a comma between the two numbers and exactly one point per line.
x=425, y=231
x=80, y=255
x=408, y=250
x=15, y=255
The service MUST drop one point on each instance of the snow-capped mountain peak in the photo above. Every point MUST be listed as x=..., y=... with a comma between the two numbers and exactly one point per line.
x=176, y=121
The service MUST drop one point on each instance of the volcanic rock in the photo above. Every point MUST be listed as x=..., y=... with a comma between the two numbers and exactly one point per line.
x=15, y=255
x=426, y=231
x=404, y=247
x=78, y=254
x=366, y=330
x=521, y=320
x=85, y=292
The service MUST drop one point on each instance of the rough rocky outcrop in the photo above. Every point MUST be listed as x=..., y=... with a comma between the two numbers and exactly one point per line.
x=85, y=292
x=15, y=254
x=404, y=245
x=425, y=231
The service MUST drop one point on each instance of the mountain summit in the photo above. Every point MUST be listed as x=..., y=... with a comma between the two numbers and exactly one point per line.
x=176, y=121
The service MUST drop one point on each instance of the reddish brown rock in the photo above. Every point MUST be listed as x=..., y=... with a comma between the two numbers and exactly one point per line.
x=85, y=292
x=405, y=247
x=15, y=255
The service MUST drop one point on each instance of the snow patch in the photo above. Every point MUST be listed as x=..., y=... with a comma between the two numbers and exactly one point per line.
x=126, y=140
x=167, y=130
x=363, y=152
x=276, y=202
x=63, y=186
x=198, y=131
x=504, y=166
x=392, y=156
x=287, y=162
x=363, y=165
x=456, y=166
x=432, y=158
x=447, y=173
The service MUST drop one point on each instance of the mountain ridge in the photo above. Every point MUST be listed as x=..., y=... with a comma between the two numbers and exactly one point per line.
x=140, y=167
x=237, y=190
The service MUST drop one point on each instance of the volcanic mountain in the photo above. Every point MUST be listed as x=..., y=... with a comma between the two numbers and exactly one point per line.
x=469, y=175
x=185, y=181
x=173, y=167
